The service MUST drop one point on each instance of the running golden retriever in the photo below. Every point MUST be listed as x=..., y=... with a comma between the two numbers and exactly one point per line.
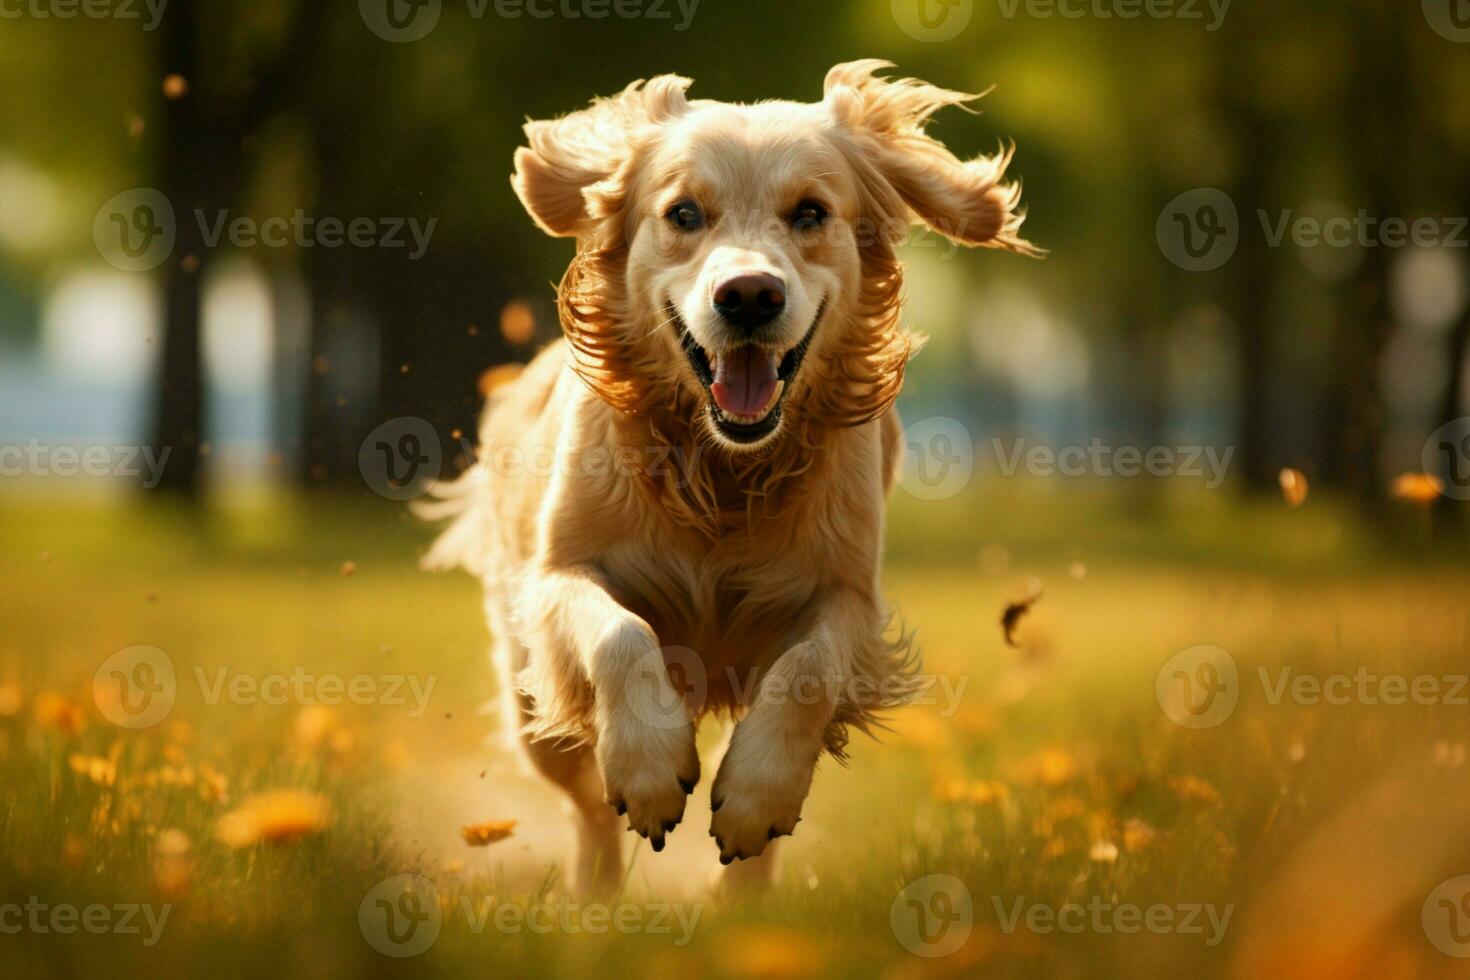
x=679, y=508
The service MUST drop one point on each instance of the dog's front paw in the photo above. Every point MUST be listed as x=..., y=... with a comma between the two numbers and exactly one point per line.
x=645, y=732
x=756, y=802
x=648, y=773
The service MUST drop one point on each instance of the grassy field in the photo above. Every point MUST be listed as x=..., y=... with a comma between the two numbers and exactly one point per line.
x=1296, y=837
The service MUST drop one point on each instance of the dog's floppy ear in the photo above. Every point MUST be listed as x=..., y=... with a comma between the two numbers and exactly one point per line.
x=572, y=172
x=966, y=201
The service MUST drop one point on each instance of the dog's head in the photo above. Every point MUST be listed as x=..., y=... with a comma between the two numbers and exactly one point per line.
x=736, y=262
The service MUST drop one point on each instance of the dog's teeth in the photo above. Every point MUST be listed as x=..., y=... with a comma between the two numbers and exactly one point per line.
x=775, y=397
x=758, y=416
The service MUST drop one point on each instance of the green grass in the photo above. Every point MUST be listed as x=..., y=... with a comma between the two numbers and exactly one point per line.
x=1057, y=750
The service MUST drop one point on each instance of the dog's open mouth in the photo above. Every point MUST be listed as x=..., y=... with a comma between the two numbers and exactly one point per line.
x=746, y=382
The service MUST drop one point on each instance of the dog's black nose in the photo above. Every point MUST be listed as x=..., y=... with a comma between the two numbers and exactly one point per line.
x=751, y=300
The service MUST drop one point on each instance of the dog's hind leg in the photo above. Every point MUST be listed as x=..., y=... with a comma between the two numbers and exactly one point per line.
x=751, y=877
x=599, y=868
x=573, y=768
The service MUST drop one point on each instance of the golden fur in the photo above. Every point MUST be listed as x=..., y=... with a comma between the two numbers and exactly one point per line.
x=611, y=522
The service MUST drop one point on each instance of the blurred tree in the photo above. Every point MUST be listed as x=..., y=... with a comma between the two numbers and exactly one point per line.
x=205, y=150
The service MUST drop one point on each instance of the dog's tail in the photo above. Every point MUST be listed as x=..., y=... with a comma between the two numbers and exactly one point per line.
x=465, y=503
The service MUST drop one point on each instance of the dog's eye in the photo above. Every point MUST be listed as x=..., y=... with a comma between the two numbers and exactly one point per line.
x=686, y=216
x=808, y=215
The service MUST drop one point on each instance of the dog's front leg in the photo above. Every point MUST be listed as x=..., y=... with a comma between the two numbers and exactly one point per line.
x=765, y=775
x=645, y=734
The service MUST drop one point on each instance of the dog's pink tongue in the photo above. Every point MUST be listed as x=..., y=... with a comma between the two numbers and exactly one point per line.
x=745, y=380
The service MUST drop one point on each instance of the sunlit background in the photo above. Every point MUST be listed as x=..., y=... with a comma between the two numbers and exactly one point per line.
x=1337, y=361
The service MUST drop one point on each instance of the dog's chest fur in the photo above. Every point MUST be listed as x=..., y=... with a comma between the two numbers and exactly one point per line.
x=742, y=599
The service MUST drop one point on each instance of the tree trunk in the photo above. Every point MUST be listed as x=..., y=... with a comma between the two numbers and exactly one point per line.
x=1251, y=307
x=184, y=164
x=1382, y=97
x=1450, y=516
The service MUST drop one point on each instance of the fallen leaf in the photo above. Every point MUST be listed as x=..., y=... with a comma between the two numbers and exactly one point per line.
x=483, y=834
